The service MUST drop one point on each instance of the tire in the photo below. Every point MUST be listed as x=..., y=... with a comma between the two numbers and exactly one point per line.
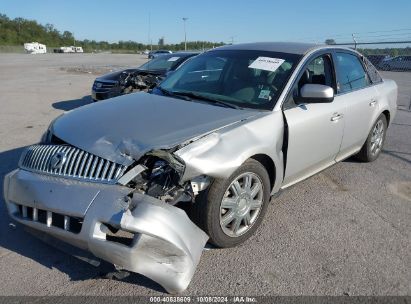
x=369, y=152
x=208, y=211
x=386, y=67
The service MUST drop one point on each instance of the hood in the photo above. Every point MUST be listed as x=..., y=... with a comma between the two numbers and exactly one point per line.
x=126, y=127
x=114, y=76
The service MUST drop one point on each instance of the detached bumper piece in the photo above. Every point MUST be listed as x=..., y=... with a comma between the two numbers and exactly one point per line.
x=142, y=234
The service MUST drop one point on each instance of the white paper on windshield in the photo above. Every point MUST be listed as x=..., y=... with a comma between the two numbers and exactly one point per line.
x=264, y=94
x=266, y=64
x=173, y=59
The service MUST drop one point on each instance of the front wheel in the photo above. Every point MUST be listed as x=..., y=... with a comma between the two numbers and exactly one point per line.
x=375, y=141
x=231, y=210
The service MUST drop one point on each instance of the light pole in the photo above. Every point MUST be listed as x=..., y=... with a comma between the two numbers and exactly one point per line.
x=355, y=42
x=150, y=42
x=185, y=33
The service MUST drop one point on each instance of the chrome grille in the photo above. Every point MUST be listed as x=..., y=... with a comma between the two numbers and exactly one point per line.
x=78, y=163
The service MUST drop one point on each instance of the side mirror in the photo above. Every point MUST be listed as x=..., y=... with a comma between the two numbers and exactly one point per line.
x=315, y=93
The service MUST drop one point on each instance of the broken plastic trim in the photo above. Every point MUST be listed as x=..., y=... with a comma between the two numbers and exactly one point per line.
x=166, y=246
x=175, y=162
x=132, y=173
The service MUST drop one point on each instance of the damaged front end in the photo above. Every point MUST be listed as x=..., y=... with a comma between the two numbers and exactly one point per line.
x=114, y=178
x=134, y=81
x=159, y=174
x=122, y=214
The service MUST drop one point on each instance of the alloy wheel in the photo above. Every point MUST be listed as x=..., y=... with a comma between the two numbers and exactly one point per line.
x=377, y=137
x=241, y=204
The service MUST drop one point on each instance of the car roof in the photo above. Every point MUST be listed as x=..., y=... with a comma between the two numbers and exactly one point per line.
x=184, y=54
x=281, y=47
x=179, y=54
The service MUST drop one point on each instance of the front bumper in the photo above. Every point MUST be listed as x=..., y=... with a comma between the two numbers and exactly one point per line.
x=165, y=245
x=104, y=93
x=97, y=95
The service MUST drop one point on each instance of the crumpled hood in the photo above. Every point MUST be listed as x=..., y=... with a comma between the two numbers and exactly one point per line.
x=126, y=127
x=114, y=76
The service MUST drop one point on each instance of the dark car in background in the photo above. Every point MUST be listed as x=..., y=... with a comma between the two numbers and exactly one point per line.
x=396, y=63
x=154, y=54
x=376, y=60
x=142, y=78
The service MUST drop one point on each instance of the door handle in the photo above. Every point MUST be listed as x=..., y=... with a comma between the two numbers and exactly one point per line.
x=373, y=102
x=336, y=117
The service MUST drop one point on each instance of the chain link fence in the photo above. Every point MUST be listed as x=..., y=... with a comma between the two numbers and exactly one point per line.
x=393, y=60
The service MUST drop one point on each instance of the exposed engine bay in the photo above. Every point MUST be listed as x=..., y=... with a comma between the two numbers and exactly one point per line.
x=137, y=81
x=161, y=179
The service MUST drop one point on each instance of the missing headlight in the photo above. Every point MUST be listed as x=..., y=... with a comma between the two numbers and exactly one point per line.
x=159, y=174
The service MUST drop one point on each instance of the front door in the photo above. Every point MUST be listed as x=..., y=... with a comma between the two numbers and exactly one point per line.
x=315, y=130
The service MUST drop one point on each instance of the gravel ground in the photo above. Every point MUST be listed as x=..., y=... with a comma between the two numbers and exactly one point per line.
x=345, y=231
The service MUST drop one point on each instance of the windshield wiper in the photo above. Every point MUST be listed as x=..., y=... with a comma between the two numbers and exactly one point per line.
x=205, y=98
x=172, y=94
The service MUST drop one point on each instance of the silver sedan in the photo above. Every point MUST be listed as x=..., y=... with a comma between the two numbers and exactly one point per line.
x=144, y=180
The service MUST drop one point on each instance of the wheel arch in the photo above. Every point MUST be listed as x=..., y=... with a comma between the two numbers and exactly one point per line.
x=268, y=164
x=387, y=115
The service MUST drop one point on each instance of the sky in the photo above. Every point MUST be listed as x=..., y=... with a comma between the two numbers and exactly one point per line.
x=220, y=20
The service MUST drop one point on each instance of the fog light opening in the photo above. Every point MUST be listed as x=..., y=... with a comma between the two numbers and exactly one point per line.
x=119, y=236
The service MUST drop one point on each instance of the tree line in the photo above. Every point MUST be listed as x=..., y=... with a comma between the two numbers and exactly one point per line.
x=19, y=31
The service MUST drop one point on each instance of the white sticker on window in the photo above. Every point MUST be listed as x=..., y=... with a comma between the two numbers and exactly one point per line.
x=173, y=59
x=264, y=94
x=266, y=64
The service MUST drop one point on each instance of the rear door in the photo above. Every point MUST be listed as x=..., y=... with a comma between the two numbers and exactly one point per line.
x=357, y=92
x=315, y=130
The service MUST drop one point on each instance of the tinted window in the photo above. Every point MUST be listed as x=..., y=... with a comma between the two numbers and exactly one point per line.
x=350, y=73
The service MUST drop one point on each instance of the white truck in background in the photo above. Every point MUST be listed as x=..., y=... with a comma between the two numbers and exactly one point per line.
x=35, y=48
x=69, y=49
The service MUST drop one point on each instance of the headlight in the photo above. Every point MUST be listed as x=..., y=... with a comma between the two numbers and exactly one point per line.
x=46, y=137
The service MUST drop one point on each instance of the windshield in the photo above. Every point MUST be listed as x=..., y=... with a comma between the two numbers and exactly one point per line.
x=164, y=62
x=250, y=79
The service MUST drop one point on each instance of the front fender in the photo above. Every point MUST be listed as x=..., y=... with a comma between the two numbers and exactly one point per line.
x=219, y=154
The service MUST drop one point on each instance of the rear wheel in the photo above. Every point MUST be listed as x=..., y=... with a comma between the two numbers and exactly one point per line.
x=375, y=141
x=231, y=210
